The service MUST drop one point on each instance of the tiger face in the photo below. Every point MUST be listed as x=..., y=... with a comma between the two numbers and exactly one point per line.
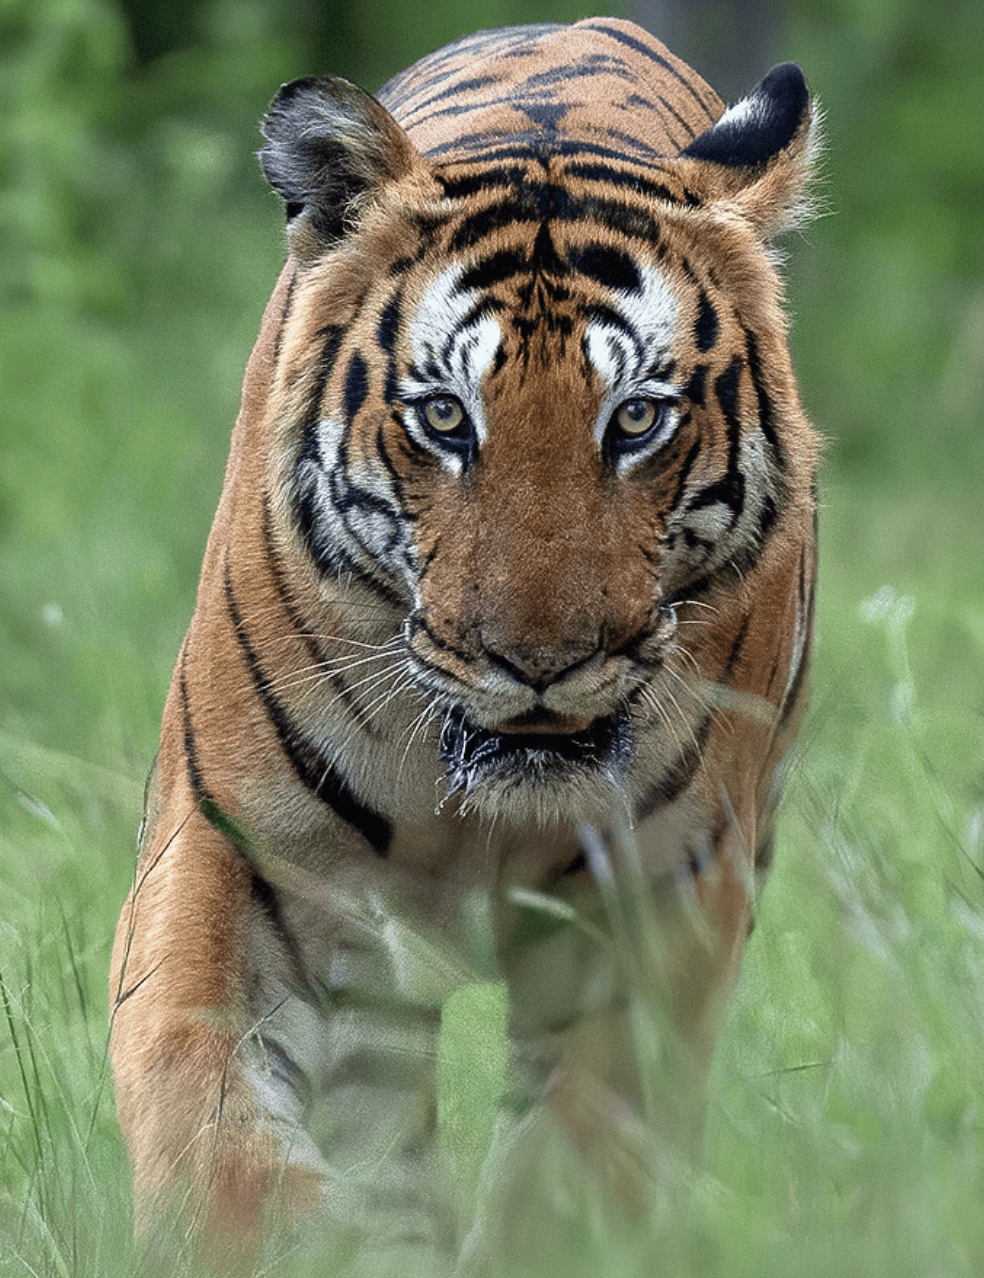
x=541, y=425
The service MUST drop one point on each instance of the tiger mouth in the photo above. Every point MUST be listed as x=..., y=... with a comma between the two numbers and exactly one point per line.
x=475, y=756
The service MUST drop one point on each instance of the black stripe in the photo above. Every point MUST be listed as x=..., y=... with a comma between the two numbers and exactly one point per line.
x=204, y=800
x=455, y=59
x=494, y=269
x=301, y=627
x=387, y=331
x=726, y=389
x=356, y=386
x=396, y=476
x=685, y=469
x=531, y=148
x=629, y=179
x=730, y=488
x=607, y=266
x=706, y=325
x=609, y=318
x=545, y=203
x=389, y=322
x=459, y=188
x=695, y=390
x=667, y=109
x=556, y=78
x=263, y=894
x=196, y=778
x=332, y=337
x=309, y=764
x=736, y=647
x=285, y=315
x=460, y=109
x=455, y=90
x=766, y=413
x=624, y=38
x=416, y=625
x=267, y=901
x=678, y=775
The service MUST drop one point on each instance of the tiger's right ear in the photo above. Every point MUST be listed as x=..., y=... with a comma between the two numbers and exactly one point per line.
x=329, y=148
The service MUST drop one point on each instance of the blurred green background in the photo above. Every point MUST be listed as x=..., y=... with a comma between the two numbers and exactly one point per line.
x=139, y=247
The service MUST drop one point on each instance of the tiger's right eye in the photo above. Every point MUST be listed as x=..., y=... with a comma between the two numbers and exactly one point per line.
x=443, y=413
x=636, y=416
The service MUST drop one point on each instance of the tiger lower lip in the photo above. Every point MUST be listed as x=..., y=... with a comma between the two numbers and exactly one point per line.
x=546, y=722
x=472, y=754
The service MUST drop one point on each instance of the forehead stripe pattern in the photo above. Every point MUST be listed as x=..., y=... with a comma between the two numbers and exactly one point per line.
x=629, y=180
x=540, y=203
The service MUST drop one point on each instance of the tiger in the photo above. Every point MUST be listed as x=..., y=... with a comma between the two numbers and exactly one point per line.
x=512, y=576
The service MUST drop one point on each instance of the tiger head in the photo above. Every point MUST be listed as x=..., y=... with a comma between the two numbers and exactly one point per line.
x=535, y=395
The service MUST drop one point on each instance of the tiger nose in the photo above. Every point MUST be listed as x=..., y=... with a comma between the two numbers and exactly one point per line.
x=540, y=665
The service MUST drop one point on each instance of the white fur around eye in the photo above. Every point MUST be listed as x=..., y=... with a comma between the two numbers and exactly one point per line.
x=625, y=354
x=452, y=349
x=628, y=356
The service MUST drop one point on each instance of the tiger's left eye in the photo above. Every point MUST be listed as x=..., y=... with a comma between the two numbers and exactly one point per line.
x=637, y=416
x=443, y=413
x=639, y=425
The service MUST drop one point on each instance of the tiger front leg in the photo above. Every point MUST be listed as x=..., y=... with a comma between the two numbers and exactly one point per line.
x=629, y=1084
x=207, y=1155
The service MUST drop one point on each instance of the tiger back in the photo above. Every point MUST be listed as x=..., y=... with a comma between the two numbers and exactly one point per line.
x=513, y=568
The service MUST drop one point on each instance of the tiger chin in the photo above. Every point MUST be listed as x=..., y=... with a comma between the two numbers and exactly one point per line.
x=544, y=775
x=512, y=575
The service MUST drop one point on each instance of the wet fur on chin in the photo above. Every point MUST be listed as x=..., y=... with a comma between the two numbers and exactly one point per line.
x=540, y=777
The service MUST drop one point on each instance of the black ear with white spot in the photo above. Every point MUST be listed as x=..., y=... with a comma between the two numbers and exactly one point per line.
x=759, y=152
x=329, y=148
x=759, y=126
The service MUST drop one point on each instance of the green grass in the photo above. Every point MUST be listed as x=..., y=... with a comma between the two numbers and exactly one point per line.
x=845, y=1133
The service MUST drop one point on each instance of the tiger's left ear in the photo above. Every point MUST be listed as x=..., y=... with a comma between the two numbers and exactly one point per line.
x=330, y=147
x=758, y=156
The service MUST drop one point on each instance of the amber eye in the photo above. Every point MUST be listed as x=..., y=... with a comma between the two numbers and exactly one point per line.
x=636, y=416
x=640, y=425
x=443, y=413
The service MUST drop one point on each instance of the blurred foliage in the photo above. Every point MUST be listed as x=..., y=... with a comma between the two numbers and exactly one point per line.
x=894, y=300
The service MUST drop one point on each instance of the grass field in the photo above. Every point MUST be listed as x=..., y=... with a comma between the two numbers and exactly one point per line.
x=846, y=1133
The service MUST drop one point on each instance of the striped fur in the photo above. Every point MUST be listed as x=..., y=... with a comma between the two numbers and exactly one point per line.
x=516, y=539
